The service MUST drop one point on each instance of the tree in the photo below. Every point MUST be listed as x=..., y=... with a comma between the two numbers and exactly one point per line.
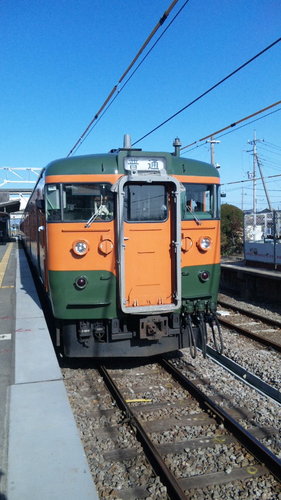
x=231, y=229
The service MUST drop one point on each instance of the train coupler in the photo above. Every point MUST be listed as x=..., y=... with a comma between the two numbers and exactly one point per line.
x=154, y=327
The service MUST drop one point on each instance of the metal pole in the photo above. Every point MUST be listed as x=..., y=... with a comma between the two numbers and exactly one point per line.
x=254, y=183
x=212, y=143
x=264, y=184
x=274, y=214
x=254, y=172
x=212, y=152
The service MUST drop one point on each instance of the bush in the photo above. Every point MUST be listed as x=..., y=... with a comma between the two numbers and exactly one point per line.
x=231, y=229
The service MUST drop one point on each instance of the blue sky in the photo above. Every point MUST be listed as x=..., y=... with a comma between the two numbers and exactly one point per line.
x=61, y=58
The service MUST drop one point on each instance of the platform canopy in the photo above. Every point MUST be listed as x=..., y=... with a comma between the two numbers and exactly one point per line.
x=9, y=206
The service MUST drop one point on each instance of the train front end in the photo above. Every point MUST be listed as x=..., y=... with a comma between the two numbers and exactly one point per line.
x=124, y=274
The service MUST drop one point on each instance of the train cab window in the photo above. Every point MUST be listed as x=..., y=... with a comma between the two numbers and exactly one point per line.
x=199, y=200
x=53, y=207
x=145, y=202
x=82, y=202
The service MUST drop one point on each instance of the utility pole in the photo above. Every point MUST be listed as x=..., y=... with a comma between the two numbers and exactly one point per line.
x=212, y=143
x=242, y=199
x=253, y=175
x=254, y=144
x=256, y=163
x=264, y=184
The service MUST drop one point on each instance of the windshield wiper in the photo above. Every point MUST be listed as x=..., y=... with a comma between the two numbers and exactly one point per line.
x=194, y=216
x=94, y=216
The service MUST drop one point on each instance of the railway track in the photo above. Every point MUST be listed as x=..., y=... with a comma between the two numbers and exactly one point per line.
x=256, y=326
x=204, y=426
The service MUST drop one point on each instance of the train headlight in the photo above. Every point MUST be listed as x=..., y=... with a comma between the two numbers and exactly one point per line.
x=80, y=247
x=204, y=275
x=204, y=243
x=81, y=282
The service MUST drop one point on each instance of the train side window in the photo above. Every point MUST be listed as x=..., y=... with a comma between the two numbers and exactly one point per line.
x=199, y=199
x=52, y=195
x=145, y=202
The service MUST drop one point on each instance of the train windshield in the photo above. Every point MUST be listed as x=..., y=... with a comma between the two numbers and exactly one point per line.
x=200, y=201
x=145, y=202
x=79, y=202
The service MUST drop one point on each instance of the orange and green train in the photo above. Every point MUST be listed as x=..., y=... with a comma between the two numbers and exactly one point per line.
x=127, y=246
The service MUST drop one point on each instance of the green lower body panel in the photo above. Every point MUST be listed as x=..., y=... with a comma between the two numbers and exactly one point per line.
x=96, y=300
x=99, y=297
x=193, y=285
x=91, y=324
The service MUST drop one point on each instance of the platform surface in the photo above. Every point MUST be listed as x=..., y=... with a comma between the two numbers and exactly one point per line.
x=42, y=457
x=240, y=265
x=45, y=457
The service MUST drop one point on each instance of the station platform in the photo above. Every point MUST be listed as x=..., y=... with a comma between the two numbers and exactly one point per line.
x=250, y=282
x=41, y=455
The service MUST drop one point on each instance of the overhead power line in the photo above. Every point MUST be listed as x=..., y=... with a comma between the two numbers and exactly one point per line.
x=131, y=75
x=209, y=90
x=272, y=145
x=114, y=89
x=250, y=180
x=214, y=134
x=238, y=128
x=270, y=150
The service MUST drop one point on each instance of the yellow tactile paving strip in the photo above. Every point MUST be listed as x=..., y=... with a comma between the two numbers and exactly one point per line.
x=4, y=263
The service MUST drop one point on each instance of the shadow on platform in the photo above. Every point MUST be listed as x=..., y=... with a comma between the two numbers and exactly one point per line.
x=2, y=496
x=26, y=281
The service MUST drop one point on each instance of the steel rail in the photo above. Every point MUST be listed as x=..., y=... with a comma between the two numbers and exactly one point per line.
x=257, y=449
x=250, y=334
x=159, y=466
x=244, y=375
x=250, y=314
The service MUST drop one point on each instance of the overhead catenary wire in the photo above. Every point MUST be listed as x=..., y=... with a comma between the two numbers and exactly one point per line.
x=250, y=180
x=114, y=89
x=209, y=90
x=214, y=134
x=109, y=104
x=236, y=129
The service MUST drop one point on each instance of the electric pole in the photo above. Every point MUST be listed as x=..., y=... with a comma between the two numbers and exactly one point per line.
x=242, y=199
x=212, y=143
x=254, y=144
x=256, y=163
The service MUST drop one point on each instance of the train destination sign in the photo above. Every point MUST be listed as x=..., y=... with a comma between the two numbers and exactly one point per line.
x=144, y=164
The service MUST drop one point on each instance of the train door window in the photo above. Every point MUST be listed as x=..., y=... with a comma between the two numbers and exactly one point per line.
x=145, y=202
x=199, y=199
x=86, y=200
x=52, y=195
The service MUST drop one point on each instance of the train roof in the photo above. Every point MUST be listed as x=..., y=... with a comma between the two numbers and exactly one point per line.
x=113, y=163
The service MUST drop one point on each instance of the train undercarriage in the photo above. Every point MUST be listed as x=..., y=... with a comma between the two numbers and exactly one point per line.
x=139, y=336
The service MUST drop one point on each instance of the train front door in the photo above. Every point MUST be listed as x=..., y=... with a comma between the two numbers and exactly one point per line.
x=149, y=256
